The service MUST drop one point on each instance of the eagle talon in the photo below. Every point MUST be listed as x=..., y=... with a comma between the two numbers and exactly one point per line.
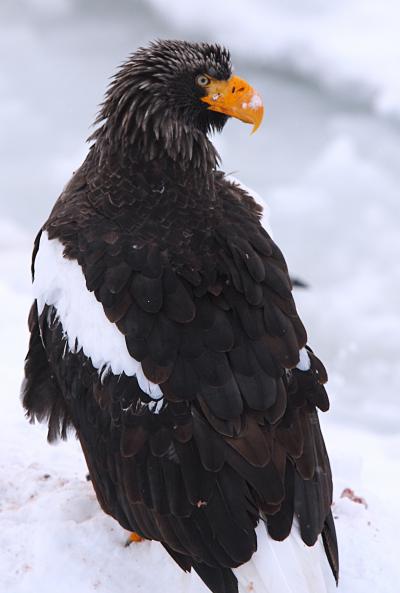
x=133, y=538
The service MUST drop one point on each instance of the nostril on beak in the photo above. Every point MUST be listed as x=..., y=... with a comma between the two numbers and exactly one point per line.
x=233, y=89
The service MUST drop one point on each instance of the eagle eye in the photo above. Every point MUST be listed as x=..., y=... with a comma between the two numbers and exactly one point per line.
x=202, y=80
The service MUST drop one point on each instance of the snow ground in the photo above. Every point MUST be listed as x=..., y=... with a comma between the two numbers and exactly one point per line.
x=326, y=163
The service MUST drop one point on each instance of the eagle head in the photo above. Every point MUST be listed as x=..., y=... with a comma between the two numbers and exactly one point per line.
x=168, y=96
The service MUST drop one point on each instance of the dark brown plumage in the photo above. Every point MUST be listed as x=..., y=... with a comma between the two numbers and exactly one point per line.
x=176, y=255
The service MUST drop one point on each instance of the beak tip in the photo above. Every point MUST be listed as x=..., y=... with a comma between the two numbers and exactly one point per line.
x=258, y=120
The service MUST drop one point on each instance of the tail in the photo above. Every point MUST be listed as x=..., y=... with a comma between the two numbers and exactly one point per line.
x=289, y=566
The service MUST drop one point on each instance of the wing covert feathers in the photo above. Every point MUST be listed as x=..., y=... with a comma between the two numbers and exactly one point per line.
x=204, y=304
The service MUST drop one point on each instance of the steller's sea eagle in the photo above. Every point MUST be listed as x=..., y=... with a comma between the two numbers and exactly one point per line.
x=165, y=333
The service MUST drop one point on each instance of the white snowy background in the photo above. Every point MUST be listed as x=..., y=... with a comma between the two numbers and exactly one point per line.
x=326, y=161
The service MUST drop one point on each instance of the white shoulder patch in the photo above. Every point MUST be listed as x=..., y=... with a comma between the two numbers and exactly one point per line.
x=304, y=362
x=265, y=221
x=60, y=282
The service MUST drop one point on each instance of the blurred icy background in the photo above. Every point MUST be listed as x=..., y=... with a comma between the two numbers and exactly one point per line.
x=326, y=161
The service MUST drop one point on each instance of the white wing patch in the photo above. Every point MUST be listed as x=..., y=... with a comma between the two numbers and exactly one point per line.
x=285, y=567
x=60, y=282
x=265, y=221
x=304, y=362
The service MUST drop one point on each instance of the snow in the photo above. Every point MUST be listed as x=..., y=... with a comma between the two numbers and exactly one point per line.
x=351, y=206
x=255, y=101
x=325, y=161
x=350, y=46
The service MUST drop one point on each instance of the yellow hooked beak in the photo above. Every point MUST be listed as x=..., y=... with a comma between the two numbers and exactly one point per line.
x=235, y=97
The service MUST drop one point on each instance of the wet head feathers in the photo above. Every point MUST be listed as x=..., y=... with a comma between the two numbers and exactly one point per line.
x=153, y=105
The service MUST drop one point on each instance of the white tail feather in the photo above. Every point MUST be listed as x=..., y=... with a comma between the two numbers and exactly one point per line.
x=286, y=567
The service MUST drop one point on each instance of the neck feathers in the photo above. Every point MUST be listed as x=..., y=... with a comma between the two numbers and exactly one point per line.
x=134, y=124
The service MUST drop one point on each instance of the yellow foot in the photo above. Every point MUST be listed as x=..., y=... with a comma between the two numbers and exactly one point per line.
x=133, y=538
